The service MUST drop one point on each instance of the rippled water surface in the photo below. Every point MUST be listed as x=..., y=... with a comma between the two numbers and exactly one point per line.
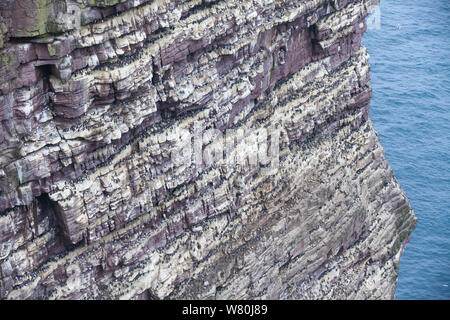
x=410, y=75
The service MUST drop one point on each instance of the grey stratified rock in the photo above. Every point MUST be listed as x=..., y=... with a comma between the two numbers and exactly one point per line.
x=97, y=199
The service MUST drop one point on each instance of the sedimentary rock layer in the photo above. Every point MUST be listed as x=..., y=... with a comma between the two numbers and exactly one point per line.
x=192, y=149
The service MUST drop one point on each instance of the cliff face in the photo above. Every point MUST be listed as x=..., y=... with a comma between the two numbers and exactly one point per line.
x=192, y=149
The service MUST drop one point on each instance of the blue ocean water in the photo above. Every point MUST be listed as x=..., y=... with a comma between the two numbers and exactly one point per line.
x=410, y=109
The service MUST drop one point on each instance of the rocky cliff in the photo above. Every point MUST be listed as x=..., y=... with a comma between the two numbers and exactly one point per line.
x=192, y=149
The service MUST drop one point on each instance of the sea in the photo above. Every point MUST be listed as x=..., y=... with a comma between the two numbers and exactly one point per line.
x=409, y=46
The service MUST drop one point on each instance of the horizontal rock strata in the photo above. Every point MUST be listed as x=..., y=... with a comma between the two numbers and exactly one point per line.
x=192, y=149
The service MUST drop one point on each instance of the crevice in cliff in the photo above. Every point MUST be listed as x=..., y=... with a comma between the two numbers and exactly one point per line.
x=317, y=50
x=47, y=206
x=50, y=207
x=4, y=213
x=202, y=6
x=46, y=71
x=148, y=295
